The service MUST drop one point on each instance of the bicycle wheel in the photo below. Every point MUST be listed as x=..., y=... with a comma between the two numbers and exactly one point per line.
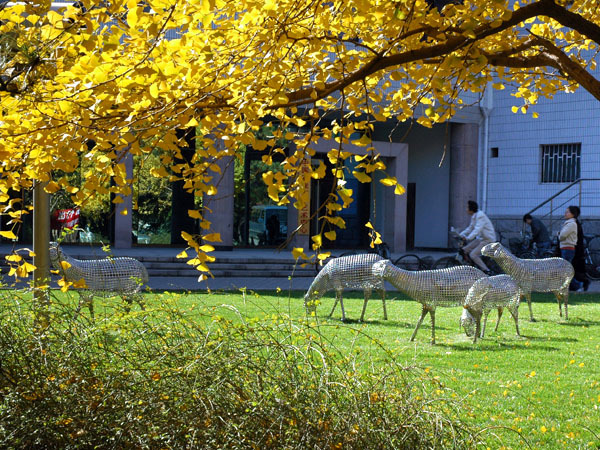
x=592, y=271
x=445, y=262
x=408, y=262
x=528, y=254
x=594, y=249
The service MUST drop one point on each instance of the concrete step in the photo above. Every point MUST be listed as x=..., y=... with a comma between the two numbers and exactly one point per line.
x=173, y=267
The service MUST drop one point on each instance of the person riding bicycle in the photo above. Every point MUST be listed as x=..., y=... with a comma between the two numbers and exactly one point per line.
x=479, y=233
x=539, y=234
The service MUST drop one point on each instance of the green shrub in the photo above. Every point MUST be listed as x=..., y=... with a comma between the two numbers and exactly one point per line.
x=173, y=378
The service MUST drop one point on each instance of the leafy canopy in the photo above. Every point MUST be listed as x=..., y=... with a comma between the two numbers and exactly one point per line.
x=127, y=74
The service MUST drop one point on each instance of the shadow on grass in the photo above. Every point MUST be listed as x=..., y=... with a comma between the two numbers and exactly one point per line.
x=496, y=345
x=387, y=323
x=579, y=322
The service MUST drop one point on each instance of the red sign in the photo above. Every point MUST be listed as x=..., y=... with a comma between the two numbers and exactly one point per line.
x=64, y=218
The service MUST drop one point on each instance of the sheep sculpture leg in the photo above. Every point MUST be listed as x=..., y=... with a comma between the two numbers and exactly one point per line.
x=367, y=293
x=424, y=312
x=527, y=295
x=347, y=272
x=562, y=297
x=495, y=292
x=535, y=275
x=339, y=298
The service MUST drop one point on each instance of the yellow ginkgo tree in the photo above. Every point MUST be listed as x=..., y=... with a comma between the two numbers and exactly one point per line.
x=127, y=74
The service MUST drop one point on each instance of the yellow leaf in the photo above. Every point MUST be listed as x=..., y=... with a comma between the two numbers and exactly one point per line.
x=361, y=176
x=13, y=258
x=154, y=90
x=52, y=187
x=188, y=238
x=368, y=225
x=317, y=239
x=160, y=172
x=399, y=189
x=192, y=123
x=206, y=248
x=8, y=234
x=194, y=214
x=324, y=255
x=182, y=254
x=298, y=252
x=363, y=141
x=65, y=265
x=132, y=17
x=212, y=237
x=28, y=267
x=391, y=181
x=331, y=235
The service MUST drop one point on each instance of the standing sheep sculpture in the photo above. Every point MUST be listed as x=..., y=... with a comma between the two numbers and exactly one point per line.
x=347, y=272
x=535, y=275
x=101, y=277
x=431, y=288
x=500, y=291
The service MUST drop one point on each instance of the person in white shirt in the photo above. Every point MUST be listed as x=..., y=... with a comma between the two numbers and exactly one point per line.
x=479, y=233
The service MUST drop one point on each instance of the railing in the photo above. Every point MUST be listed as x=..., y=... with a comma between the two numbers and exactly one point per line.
x=573, y=194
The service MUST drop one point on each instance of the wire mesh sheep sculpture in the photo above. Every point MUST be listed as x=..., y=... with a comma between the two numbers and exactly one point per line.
x=535, y=275
x=432, y=288
x=347, y=272
x=500, y=291
x=107, y=277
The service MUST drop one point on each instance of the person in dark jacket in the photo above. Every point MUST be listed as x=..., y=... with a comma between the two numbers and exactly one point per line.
x=579, y=258
x=539, y=234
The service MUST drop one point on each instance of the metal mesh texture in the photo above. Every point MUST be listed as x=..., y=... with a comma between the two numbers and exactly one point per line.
x=432, y=288
x=347, y=272
x=500, y=291
x=534, y=275
x=111, y=275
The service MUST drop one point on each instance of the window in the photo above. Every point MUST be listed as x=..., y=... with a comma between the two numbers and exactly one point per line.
x=494, y=152
x=561, y=163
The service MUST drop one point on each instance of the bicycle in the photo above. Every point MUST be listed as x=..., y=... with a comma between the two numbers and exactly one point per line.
x=414, y=262
x=461, y=259
x=592, y=256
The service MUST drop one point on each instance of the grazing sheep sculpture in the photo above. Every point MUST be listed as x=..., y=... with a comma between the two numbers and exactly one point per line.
x=431, y=288
x=499, y=291
x=347, y=272
x=535, y=275
x=101, y=277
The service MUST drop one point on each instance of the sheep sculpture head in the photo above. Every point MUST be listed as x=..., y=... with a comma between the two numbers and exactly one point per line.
x=468, y=322
x=493, y=250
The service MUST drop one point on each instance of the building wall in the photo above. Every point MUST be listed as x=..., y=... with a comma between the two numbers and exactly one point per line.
x=514, y=178
x=429, y=169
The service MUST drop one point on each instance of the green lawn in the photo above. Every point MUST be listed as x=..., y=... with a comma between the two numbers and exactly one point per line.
x=540, y=390
x=544, y=384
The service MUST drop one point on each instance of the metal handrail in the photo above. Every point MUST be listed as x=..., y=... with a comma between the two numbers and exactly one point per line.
x=551, y=199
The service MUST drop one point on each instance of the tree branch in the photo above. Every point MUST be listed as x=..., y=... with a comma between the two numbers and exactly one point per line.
x=376, y=64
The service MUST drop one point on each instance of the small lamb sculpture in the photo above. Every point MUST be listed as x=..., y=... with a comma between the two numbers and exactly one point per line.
x=346, y=272
x=102, y=277
x=535, y=275
x=499, y=291
x=431, y=288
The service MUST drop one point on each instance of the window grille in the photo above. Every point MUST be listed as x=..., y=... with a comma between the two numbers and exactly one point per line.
x=561, y=163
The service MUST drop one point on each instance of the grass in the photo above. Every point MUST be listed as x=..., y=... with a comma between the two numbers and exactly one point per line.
x=540, y=390
x=544, y=385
